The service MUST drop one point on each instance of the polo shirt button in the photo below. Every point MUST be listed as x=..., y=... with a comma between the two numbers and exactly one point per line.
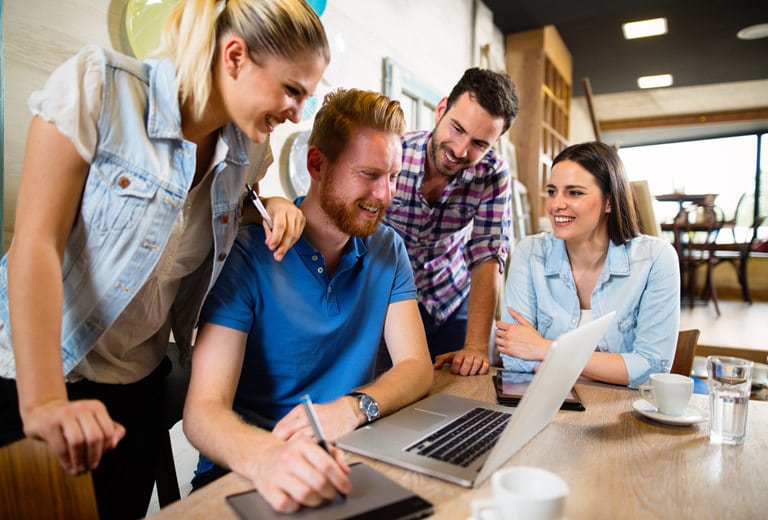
x=320, y=270
x=222, y=256
x=314, y=258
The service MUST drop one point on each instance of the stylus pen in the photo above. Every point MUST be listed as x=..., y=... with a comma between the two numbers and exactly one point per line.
x=259, y=206
x=317, y=429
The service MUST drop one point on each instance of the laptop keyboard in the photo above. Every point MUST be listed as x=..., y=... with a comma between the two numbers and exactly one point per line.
x=465, y=439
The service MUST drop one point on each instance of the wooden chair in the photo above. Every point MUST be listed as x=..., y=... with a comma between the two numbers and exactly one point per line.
x=735, y=245
x=646, y=216
x=695, y=243
x=33, y=484
x=686, y=349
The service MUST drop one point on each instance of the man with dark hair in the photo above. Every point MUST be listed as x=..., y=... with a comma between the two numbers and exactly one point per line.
x=452, y=208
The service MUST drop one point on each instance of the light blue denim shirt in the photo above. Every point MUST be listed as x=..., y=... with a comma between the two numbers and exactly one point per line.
x=640, y=281
x=137, y=182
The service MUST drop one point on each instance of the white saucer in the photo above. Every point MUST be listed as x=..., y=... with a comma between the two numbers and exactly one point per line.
x=691, y=415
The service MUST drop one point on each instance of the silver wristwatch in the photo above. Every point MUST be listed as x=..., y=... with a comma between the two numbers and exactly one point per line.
x=367, y=405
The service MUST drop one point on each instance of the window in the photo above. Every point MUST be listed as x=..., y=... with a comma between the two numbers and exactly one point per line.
x=416, y=98
x=725, y=166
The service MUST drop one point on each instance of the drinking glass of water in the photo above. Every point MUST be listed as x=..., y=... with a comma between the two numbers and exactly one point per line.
x=730, y=382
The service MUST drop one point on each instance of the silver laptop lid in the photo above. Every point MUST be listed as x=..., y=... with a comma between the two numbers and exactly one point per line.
x=556, y=375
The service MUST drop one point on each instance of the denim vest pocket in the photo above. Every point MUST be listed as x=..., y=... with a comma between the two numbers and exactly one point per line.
x=116, y=195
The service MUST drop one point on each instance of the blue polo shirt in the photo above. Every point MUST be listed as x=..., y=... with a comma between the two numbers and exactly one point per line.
x=307, y=333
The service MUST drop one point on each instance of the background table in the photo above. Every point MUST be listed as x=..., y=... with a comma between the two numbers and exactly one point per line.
x=706, y=200
x=617, y=463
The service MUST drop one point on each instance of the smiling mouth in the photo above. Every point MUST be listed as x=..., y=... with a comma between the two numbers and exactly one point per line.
x=449, y=157
x=371, y=208
x=272, y=123
x=563, y=220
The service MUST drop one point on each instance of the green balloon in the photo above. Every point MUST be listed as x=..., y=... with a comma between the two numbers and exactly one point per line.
x=143, y=22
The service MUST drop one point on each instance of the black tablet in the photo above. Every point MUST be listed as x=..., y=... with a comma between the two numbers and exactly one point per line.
x=510, y=387
x=373, y=497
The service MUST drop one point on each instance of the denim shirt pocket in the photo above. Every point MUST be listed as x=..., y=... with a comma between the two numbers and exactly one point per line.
x=626, y=327
x=543, y=322
x=116, y=195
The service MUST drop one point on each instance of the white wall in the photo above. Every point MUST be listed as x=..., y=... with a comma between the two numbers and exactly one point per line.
x=431, y=38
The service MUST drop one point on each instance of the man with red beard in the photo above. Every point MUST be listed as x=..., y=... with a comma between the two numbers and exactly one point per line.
x=311, y=324
x=452, y=209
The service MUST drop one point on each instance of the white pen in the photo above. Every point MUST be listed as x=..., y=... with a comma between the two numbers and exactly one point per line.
x=317, y=429
x=259, y=206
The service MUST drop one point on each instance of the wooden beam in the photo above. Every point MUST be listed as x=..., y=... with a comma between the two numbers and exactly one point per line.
x=730, y=116
x=587, y=86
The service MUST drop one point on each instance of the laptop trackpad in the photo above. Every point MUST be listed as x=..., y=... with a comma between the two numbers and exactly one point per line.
x=416, y=419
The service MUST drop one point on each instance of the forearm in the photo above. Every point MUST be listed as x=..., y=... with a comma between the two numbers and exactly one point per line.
x=222, y=436
x=606, y=367
x=404, y=383
x=481, y=308
x=35, y=303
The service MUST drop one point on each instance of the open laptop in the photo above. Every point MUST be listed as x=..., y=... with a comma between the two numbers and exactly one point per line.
x=412, y=438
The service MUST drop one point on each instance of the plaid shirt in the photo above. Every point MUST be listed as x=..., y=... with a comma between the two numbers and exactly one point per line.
x=469, y=224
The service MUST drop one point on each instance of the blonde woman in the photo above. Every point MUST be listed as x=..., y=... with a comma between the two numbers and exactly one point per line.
x=129, y=203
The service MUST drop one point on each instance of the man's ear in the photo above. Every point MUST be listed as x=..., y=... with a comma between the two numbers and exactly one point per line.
x=234, y=55
x=440, y=108
x=316, y=162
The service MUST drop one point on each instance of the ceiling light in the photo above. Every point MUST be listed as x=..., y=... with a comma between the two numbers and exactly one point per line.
x=644, y=28
x=657, y=81
x=753, y=32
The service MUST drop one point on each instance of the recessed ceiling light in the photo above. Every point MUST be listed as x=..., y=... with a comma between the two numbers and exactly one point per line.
x=657, y=81
x=644, y=28
x=753, y=32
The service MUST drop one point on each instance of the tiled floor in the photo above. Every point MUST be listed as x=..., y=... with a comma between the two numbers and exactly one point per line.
x=738, y=326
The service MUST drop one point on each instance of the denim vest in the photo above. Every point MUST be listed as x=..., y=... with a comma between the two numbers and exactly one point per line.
x=138, y=180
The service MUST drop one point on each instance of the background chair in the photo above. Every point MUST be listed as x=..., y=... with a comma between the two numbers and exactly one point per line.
x=695, y=243
x=686, y=350
x=33, y=484
x=649, y=225
x=734, y=243
x=176, y=383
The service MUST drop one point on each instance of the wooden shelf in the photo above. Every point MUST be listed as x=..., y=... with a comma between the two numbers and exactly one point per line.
x=540, y=65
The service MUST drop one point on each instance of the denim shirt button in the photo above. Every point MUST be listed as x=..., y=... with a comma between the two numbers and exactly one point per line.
x=222, y=257
x=124, y=181
x=224, y=219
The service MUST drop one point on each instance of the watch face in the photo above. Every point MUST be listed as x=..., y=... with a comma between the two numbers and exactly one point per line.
x=369, y=406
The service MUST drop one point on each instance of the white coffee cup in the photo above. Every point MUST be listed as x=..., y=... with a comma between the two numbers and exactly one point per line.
x=760, y=373
x=523, y=492
x=669, y=393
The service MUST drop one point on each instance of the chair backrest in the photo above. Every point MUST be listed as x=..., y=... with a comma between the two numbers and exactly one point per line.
x=649, y=225
x=686, y=350
x=33, y=484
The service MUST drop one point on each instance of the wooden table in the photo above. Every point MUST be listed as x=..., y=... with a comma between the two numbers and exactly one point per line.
x=706, y=200
x=617, y=463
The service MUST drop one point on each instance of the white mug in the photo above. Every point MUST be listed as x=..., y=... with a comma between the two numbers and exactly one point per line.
x=523, y=492
x=760, y=373
x=669, y=393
